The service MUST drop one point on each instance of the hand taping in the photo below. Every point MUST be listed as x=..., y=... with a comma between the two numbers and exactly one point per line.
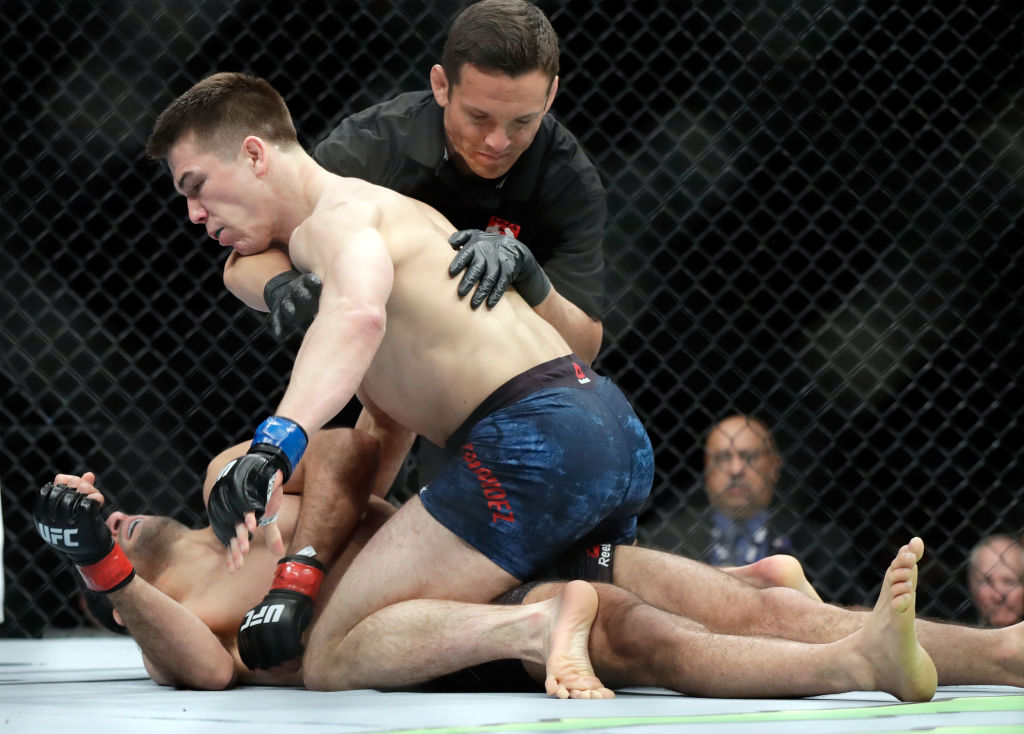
x=271, y=633
x=293, y=299
x=246, y=483
x=70, y=522
x=493, y=261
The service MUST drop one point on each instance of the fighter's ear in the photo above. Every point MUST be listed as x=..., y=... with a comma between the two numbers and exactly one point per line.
x=117, y=617
x=439, y=85
x=254, y=150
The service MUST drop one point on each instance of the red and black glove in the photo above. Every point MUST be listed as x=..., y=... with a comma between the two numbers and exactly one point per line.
x=70, y=522
x=271, y=633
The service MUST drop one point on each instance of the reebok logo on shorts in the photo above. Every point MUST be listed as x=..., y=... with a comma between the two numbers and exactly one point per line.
x=580, y=374
x=497, y=500
x=602, y=553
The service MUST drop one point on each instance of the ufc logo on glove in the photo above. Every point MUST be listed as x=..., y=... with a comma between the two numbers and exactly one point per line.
x=264, y=615
x=58, y=536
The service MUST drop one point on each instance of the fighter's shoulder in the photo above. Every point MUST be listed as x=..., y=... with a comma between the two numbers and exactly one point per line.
x=352, y=200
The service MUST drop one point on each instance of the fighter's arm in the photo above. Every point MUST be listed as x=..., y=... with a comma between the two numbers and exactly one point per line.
x=336, y=479
x=345, y=248
x=294, y=485
x=267, y=282
x=246, y=276
x=178, y=648
x=395, y=442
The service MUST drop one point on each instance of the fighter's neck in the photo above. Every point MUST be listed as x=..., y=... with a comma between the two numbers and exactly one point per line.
x=195, y=557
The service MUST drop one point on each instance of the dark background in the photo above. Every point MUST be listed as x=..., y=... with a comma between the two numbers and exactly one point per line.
x=814, y=217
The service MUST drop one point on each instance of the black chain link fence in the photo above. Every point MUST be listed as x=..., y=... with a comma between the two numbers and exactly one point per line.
x=814, y=218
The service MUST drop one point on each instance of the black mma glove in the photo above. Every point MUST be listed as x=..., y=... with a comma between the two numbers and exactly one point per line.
x=293, y=299
x=271, y=633
x=70, y=522
x=246, y=483
x=496, y=260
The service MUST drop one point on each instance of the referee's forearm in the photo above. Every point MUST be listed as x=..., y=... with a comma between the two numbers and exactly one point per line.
x=582, y=332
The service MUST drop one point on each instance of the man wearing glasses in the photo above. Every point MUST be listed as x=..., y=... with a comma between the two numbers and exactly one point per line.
x=745, y=522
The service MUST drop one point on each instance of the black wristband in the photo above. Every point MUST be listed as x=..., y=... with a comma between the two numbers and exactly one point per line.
x=534, y=287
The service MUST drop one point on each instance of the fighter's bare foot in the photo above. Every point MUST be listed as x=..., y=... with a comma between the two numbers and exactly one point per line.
x=898, y=664
x=775, y=570
x=568, y=668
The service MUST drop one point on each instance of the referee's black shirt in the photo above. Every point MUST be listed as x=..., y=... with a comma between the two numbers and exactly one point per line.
x=551, y=199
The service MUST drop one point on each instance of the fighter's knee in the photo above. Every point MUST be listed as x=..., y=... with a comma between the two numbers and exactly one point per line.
x=314, y=672
x=353, y=453
x=348, y=439
x=314, y=682
x=363, y=441
x=365, y=447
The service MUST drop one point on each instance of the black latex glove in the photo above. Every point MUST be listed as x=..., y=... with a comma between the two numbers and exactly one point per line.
x=492, y=262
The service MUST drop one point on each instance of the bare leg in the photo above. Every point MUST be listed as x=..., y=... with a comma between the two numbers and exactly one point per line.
x=972, y=656
x=412, y=557
x=962, y=655
x=725, y=603
x=345, y=461
x=633, y=643
x=553, y=634
x=778, y=570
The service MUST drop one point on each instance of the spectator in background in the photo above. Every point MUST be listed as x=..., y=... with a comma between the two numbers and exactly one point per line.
x=995, y=575
x=744, y=524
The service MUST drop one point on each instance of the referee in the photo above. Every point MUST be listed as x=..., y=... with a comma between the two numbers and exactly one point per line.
x=481, y=148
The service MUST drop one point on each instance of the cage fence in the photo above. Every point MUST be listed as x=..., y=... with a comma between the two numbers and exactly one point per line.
x=813, y=218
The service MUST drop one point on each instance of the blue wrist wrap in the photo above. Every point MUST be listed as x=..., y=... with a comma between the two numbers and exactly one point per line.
x=286, y=435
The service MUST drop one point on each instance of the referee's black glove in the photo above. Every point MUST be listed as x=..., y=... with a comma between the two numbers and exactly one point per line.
x=493, y=261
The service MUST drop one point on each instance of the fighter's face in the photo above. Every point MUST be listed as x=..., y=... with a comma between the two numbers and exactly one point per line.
x=740, y=468
x=490, y=118
x=224, y=194
x=997, y=584
x=147, y=540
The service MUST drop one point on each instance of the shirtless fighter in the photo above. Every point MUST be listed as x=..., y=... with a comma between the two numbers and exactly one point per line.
x=171, y=589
